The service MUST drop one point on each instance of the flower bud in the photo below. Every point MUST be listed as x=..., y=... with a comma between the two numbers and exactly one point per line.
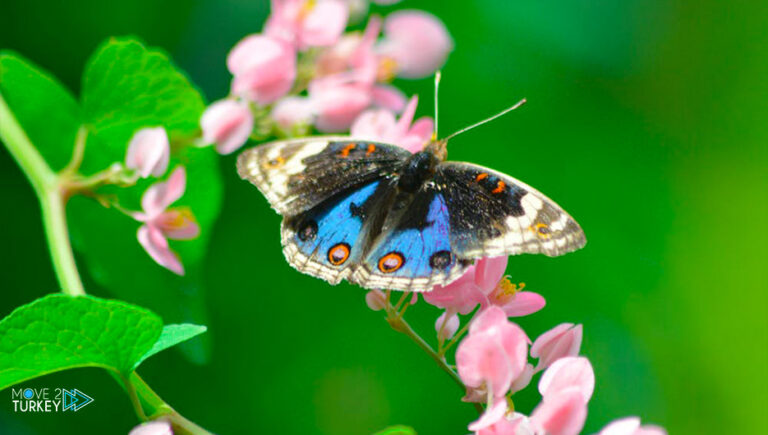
x=149, y=152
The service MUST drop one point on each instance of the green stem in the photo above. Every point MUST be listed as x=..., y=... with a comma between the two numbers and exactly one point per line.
x=130, y=388
x=47, y=186
x=401, y=325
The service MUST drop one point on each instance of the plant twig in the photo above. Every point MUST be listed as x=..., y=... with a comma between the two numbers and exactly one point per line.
x=48, y=189
x=399, y=324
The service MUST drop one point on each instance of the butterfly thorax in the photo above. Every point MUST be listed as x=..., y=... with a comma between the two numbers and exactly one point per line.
x=416, y=170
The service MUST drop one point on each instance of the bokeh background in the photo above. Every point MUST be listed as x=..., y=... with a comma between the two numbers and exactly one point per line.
x=646, y=121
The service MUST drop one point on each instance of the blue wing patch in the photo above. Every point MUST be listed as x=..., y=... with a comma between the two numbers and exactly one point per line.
x=324, y=241
x=416, y=254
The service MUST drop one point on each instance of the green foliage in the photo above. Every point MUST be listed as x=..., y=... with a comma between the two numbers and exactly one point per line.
x=397, y=430
x=59, y=332
x=171, y=336
x=46, y=110
x=127, y=86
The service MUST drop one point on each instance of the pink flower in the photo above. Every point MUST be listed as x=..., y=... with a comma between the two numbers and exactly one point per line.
x=264, y=68
x=493, y=354
x=161, y=223
x=376, y=300
x=228, y=124
x=484, y=284
x=416, y=41
x=149, y=152
x=291, y=112
x=380, y=125
x=460, y=296
x=631, y=426
x=561, y=341
x=568, y=374
x=562, y=415
x=451, y=325
x=157, y=427
x=307, y=23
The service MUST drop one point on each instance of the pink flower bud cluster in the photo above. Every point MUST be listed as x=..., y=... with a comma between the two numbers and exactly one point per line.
x=148, y=155
x=304, y=70
x=492, y=360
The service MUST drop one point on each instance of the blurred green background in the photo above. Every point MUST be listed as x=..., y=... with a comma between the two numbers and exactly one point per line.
x=646, y=121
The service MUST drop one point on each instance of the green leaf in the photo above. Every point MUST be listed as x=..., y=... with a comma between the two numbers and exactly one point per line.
x=46, y=110
x=171, y=336
x=60, y=332
x=397, y=430
x=127, y=86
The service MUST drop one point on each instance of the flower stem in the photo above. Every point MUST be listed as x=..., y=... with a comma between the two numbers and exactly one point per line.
x=399, y=324
x=47, y=186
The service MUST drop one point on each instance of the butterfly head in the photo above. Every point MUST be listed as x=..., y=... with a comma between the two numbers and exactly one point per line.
x=438, y=148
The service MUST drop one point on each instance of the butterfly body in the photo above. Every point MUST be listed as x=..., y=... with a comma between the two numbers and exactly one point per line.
x=384, y=218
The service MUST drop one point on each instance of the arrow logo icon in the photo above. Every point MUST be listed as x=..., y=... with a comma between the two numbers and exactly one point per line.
x=75, y=399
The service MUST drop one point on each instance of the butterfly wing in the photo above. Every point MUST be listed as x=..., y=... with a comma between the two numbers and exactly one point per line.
x=297, y=175
x=328, y=240
x=493, y=214
x=413, y=252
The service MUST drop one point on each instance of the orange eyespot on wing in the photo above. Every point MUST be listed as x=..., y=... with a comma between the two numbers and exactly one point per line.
x=500, y=186
x=391, y=262
x=371, y=149
x=338, y=254
x=481, y=176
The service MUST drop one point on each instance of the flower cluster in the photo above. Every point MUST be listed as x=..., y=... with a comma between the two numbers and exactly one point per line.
x=492, y=359
x=148, y=155
x=303, y=71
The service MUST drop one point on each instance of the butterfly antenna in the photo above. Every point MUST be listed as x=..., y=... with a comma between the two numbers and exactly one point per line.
x=437, y=87
x=484, y=121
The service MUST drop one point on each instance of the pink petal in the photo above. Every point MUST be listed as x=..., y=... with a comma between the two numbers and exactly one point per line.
x=156, y=245
x=404, y=123
x=162, y=194
x=417, y=41
x=561, y=341
x=363, y=52
x=388, y=97
x=324, y=24
x=631, y=426
x=337, y=107
x=376, y=300
x=291, y=111
x=450, y=328
x=491, y=416
x=564, y=415
x=374, y=124
x=489, y=272
x=178, y=224
x=228, y=124
x=480, y=359
x=490, y=318
x=523, y=304
x=423, y=128
x=624, y=426
x=523, y=379
x=568, y=374
x=157, y=427
x=264, y=68
x=461, y=295
x=149, y=152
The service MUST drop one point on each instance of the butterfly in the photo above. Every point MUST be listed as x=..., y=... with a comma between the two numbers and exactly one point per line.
x=384, y=218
